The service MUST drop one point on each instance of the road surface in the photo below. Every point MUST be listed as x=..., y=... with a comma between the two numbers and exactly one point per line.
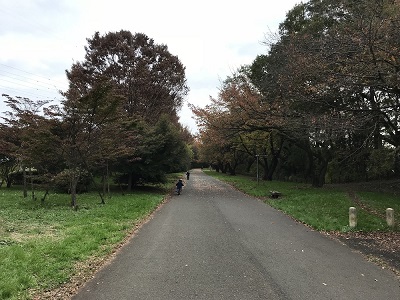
x=213, y=242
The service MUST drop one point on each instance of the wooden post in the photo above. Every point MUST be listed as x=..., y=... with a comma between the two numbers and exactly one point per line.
x=352, y=217
x=390, y=217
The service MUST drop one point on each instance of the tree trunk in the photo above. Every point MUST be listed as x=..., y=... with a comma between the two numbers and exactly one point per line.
x=397, y=161
x=74, y=184
x=108, y=180
x=45, y=195
x=103, y=181
x=320, y=168
x=232, y=168
x=101, y=198
x=228, y=168
x=265, y=166
x=32, y=186
x=250, y=162
x=8, y=182
x=276, y=154
x=25, y=182
x=222, y=168
x=272, y=168
x=130, y=182
x=309, y=172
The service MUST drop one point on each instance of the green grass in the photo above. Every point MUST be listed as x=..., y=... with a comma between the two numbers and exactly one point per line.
x=380, y=202
x=41, y=245
x=324, y=209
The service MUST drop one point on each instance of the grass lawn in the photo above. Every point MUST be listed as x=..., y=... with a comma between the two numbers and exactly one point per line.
x=41, y=245
x=324, y=209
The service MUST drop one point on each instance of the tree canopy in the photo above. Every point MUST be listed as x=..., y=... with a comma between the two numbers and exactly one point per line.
x=328, y=88
x=148, y=78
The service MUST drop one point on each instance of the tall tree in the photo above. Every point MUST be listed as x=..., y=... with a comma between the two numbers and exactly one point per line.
x=150, y=79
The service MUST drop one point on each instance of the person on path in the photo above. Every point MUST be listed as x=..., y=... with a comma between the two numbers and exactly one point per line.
x=187, y=175
x=179, y=186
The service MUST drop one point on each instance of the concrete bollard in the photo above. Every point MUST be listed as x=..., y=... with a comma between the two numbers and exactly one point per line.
x=352, y=217
x=390, y=217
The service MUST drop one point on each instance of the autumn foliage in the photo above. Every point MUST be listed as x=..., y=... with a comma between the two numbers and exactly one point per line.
x=320, y=104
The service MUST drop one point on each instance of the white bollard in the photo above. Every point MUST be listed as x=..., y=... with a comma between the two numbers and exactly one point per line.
x=352, y=217
x=390, y=217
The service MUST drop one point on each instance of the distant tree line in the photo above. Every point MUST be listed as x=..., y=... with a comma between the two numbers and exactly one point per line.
x=322, y=105
x=119, y=118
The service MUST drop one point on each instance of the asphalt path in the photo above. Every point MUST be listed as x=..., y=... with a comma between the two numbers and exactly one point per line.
x=213, y=242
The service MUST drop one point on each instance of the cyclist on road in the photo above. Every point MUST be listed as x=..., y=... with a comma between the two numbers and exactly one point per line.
x=179, y=186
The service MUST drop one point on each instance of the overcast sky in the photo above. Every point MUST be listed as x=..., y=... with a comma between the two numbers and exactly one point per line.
x=40, y=39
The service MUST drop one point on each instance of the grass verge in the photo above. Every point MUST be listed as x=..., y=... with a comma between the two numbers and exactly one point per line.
x=41, y=244
x=324, y=209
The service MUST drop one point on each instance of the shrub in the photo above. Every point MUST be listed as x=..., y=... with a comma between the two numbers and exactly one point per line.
x=62, y=182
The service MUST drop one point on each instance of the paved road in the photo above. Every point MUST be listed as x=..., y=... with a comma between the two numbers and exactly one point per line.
x=213, y=242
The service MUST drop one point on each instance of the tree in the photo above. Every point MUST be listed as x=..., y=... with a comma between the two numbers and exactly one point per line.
x=8, y=159
x=148, y=80
x=146, y=75
x=87, y=141
x=22, y=123
x=325, y=74
x=224, y=123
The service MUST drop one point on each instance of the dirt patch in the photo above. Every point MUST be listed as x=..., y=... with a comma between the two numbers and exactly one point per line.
x=382, y=248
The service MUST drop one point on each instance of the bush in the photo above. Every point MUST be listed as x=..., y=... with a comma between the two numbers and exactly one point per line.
x=62, y=182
